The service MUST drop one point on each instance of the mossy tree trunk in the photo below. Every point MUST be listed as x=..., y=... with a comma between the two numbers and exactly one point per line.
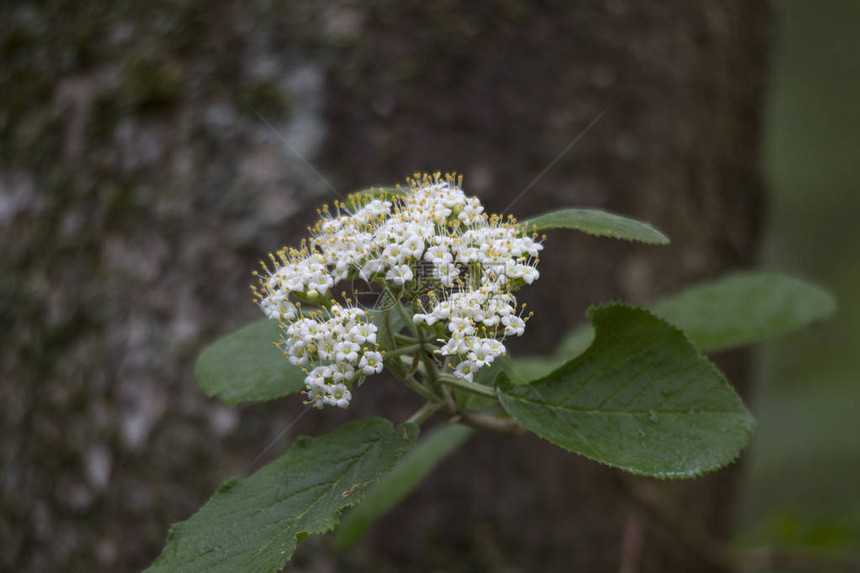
x=141, y=177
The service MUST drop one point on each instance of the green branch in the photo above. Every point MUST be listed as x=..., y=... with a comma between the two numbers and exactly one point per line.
x=472, y=387
x=411, y=349
x=420, y=416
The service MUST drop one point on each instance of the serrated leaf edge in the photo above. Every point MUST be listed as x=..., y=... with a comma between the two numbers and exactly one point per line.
x=749, y=426
x=361, y=491
x=658, y=242
x=412, y=431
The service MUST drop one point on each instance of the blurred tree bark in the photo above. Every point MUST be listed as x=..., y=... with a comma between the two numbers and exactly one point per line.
x=151, y=152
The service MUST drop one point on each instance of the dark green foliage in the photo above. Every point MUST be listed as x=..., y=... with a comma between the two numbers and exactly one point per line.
x=247, y=367
x=641, y=399
x=401, y=481
x=737, y=310
x=255, y=524
x=598, y=223
x=745, y=308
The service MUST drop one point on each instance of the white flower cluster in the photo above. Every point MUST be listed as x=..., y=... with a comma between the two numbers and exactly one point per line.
x=476, y=322
x=473, y=262
x=305, y=275
x=337, y=343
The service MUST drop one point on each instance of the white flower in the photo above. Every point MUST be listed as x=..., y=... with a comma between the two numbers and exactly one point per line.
x=495, y=347
x=399, y=275
x=438, y=254
x=413, y=245
x=394, y=254
x=456, y=345
x=461, y=327
x=466, y=370
x=482, y=355
x=346, y=351
x=530, y=274
x=471, y=211
x=363, y=332
x=318, y=376
x=371, y=363
x=475, y=262
x=446, y=274
x=513, y=325
x=278, y=306
x=342, y=372
x=340, y=396
x=371, y=267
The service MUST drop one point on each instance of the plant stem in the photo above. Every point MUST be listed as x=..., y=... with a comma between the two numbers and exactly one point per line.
x=431, y=375
x=492, y=423
x=406, y=339
x=431, y=372
x=421, y=390
x=420, y=416
x=473, y=387
x=410, y=349
x=403, y=314
x=498, y=424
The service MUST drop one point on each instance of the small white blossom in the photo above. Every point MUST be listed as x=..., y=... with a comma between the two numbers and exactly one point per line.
x=363, y=332
x=371, y=363
x=461, y=327
x=482, y=355
x=513, y=325
x=466, y=370
x=438, y=254
x=399, y=275
x=446, y=273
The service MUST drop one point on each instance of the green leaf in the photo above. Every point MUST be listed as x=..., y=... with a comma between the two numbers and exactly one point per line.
x=487, y=376
x=641, y=399
x=745, y=308
x=526, y=369
x=246, y=366
x=400, y=482
x=736, y=310
x=598, y=223
x=576, y=342
x=387, y=318
x=253, y=525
